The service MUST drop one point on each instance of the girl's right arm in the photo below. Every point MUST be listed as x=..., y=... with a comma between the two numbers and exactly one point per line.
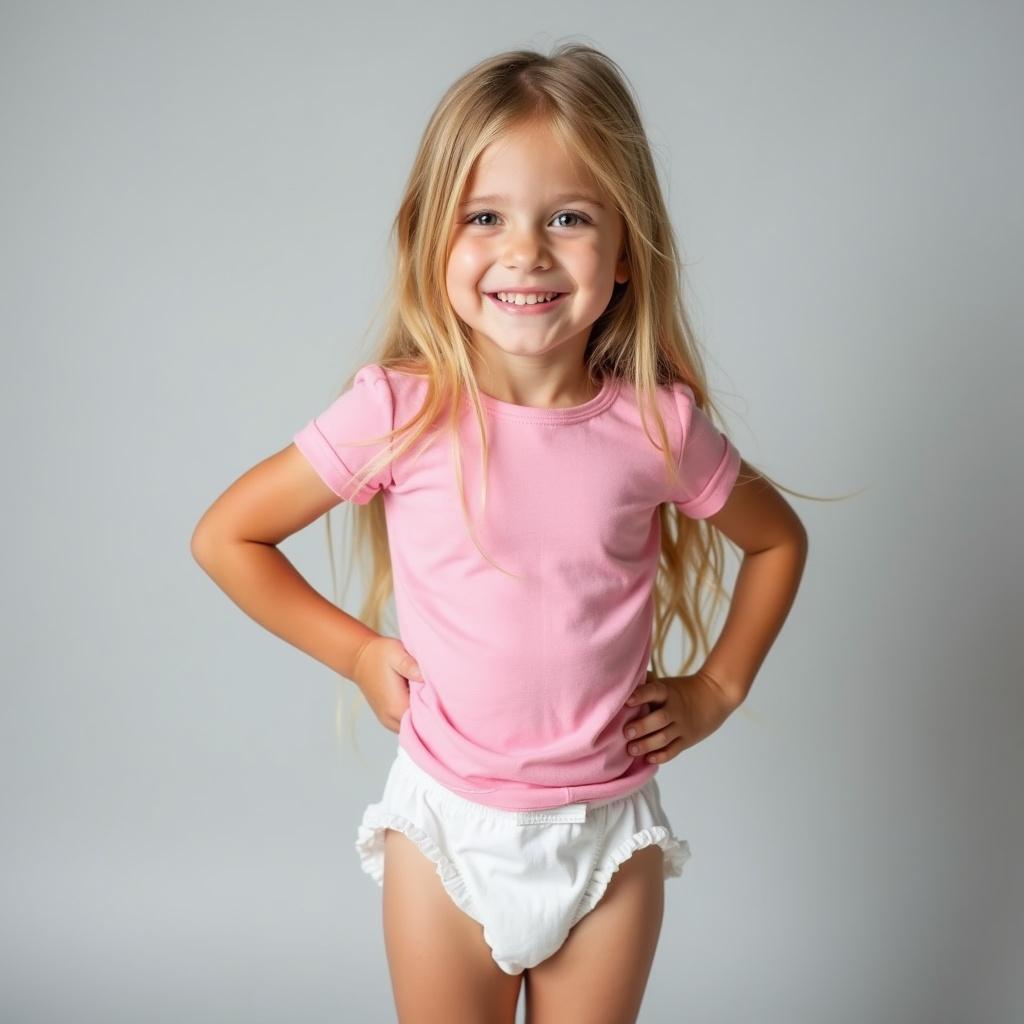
x=235, y=542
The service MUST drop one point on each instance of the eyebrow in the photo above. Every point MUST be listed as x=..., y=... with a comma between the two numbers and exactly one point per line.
x=562, y=198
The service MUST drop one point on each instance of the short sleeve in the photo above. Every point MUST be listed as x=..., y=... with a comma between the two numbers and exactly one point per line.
x=330, y=440
x=709, y=463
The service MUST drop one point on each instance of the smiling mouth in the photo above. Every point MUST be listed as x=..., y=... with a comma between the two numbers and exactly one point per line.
x=524, y=307
x=547, y=294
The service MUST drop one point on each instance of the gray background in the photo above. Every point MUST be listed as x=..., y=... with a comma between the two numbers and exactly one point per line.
x=195, y=200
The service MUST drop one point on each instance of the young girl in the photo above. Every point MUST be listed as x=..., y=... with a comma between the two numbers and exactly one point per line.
x=534, y=452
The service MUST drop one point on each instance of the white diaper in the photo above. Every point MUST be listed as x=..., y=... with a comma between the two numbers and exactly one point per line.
x=526, y=876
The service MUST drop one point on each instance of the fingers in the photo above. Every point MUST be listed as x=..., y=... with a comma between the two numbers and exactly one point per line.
x=649, y=732
x=653, y=744
x=651, y=735
x=405, y=664
x=410, y=669
x=648, y=737
x=668, y=752
x=651, y=690
x=639, y=727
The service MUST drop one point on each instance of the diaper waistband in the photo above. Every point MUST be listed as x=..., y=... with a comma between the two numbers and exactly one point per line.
x=567, y=813
x=573, y=813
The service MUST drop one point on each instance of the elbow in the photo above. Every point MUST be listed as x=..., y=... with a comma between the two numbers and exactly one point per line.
x=797, y=538
x=800, y=545
x=792, y=543
x=209, y=542
x=801, y=540
x=207, y=536
x=204, y=543
x=199, y=546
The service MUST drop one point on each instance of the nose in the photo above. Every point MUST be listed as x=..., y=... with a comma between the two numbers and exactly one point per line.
x=525, y=248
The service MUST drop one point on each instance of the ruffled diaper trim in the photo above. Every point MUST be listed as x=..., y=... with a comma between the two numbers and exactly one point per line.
x=370, y=847
x=676, y=854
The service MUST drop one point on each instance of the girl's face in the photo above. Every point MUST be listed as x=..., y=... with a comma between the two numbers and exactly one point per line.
x=532, y=219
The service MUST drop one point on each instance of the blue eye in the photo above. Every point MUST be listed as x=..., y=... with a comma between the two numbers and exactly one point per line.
x=564, y=213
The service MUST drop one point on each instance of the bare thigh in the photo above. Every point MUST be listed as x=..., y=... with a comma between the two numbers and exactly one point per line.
x=599, y=974
x=441, y=968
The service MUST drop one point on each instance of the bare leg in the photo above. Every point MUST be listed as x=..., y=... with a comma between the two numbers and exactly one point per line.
x=600, y=973
x=441, y=968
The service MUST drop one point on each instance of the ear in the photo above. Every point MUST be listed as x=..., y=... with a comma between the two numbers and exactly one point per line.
x=622, y=267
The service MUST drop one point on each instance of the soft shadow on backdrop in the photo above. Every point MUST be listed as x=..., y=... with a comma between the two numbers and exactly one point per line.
x=195, y=207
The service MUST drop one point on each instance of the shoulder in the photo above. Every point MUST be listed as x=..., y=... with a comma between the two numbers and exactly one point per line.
x=406, y=383
x=370, y=373
x=401, y=376
x=674, y=400
x=368, y=396
x=689, y=426
x=687, y=403
x=397, y=381
x=684, y=401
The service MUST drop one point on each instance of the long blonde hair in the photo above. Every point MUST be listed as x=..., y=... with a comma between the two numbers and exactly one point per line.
x=643, y=337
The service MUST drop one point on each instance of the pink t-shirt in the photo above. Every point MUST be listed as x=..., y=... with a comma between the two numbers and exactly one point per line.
x=522, y=702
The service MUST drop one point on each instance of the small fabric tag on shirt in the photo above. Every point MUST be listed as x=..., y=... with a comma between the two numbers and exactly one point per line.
x=570, y=813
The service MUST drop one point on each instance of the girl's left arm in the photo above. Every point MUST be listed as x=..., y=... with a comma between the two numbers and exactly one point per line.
x=760, y=521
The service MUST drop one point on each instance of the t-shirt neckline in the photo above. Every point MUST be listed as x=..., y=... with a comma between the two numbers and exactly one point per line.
x=561, y=414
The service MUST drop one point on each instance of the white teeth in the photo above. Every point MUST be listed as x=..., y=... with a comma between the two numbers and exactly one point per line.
x=519, y=299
